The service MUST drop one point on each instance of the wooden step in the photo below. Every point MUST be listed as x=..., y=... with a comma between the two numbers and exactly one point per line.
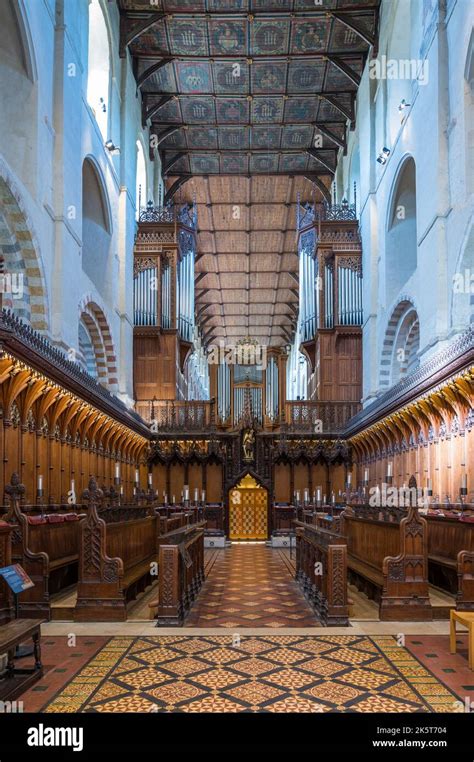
x=441, y=602
x=63, y=605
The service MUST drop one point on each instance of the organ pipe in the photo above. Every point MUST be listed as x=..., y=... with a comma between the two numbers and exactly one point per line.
x=144, y=297
x=272, y=389
x=349, y=297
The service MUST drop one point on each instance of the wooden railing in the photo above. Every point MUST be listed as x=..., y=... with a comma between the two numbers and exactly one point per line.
x=181, y=565
x=168, y=415
x=321, y=572
x=319, y=417
x=301, y=416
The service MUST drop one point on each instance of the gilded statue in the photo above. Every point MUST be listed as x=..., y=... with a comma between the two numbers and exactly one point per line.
x=248, y=441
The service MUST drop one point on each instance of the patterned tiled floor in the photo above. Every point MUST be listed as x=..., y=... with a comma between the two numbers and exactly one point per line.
x=452, y=669
x=62, y=658
x=274, y=673
x=251, y=585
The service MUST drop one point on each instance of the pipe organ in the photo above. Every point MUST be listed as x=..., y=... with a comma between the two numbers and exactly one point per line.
x=187, y=244
x=271, y=390
x=145, y=295
x=165, y=294
x=349, y=299
x=330, y=307
x=250, y=391
x=163, y=291
x=248, y=397
x=328, y=296
x=309, y=316
x=223, y=392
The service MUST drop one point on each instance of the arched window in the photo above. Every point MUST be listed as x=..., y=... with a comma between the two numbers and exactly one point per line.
x=96, y=233
x=98, y=74
x=141, y=185
x=401, y=237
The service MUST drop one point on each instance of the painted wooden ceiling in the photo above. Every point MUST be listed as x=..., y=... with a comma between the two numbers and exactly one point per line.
x=247, y=266
x=250, y=101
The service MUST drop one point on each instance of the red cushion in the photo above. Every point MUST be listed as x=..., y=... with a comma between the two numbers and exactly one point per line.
x=36, y=519
x=55, y=518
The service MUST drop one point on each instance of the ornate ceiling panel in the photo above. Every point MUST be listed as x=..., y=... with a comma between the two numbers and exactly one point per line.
x=250, y=102
x=249, y=86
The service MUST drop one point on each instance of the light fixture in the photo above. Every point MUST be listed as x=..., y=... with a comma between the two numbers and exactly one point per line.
x=403, y=105
x=383, y=155
x=110, y=146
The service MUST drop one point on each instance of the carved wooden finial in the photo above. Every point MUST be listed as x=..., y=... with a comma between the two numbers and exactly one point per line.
x=15, y=490
x=93, y=495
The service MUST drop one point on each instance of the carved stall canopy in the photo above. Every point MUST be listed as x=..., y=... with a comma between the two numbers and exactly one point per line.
x=57, y=421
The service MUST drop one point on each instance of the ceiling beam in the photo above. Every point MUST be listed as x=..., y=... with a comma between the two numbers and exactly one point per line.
x=341, y=142
x=148, y=113
x=182, y=179
x=199, y=277
x=130, y=31
x=165, y=134
x=333, y=101
x=350, y=23
x=206, y=320
x=171, y=162
x=340, y=64
x=314, y=153
x=313, y=178
x=147, y=73
x=202, y=310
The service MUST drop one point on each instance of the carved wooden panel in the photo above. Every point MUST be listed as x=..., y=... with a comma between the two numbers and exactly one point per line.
x=248, y=507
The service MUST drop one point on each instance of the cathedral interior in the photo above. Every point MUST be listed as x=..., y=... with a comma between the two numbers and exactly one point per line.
x=236, y=360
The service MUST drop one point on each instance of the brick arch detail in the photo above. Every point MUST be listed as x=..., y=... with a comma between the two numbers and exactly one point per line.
x=400, y=311
x=94, y=318
x=21, y=231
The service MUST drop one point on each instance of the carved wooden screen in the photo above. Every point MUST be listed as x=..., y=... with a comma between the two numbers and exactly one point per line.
x=248, y=506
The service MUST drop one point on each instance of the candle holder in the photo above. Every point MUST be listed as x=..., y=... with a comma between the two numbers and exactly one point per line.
x=39, y=500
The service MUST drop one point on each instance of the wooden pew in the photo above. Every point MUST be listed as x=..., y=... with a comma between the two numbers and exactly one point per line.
x=465, y=569
x=117, y=557
x=327, y=592
x=389, y=562
x=47, y=547
x=181, y=573
x=167, y=525
x=447, y=537
x=13, y=632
